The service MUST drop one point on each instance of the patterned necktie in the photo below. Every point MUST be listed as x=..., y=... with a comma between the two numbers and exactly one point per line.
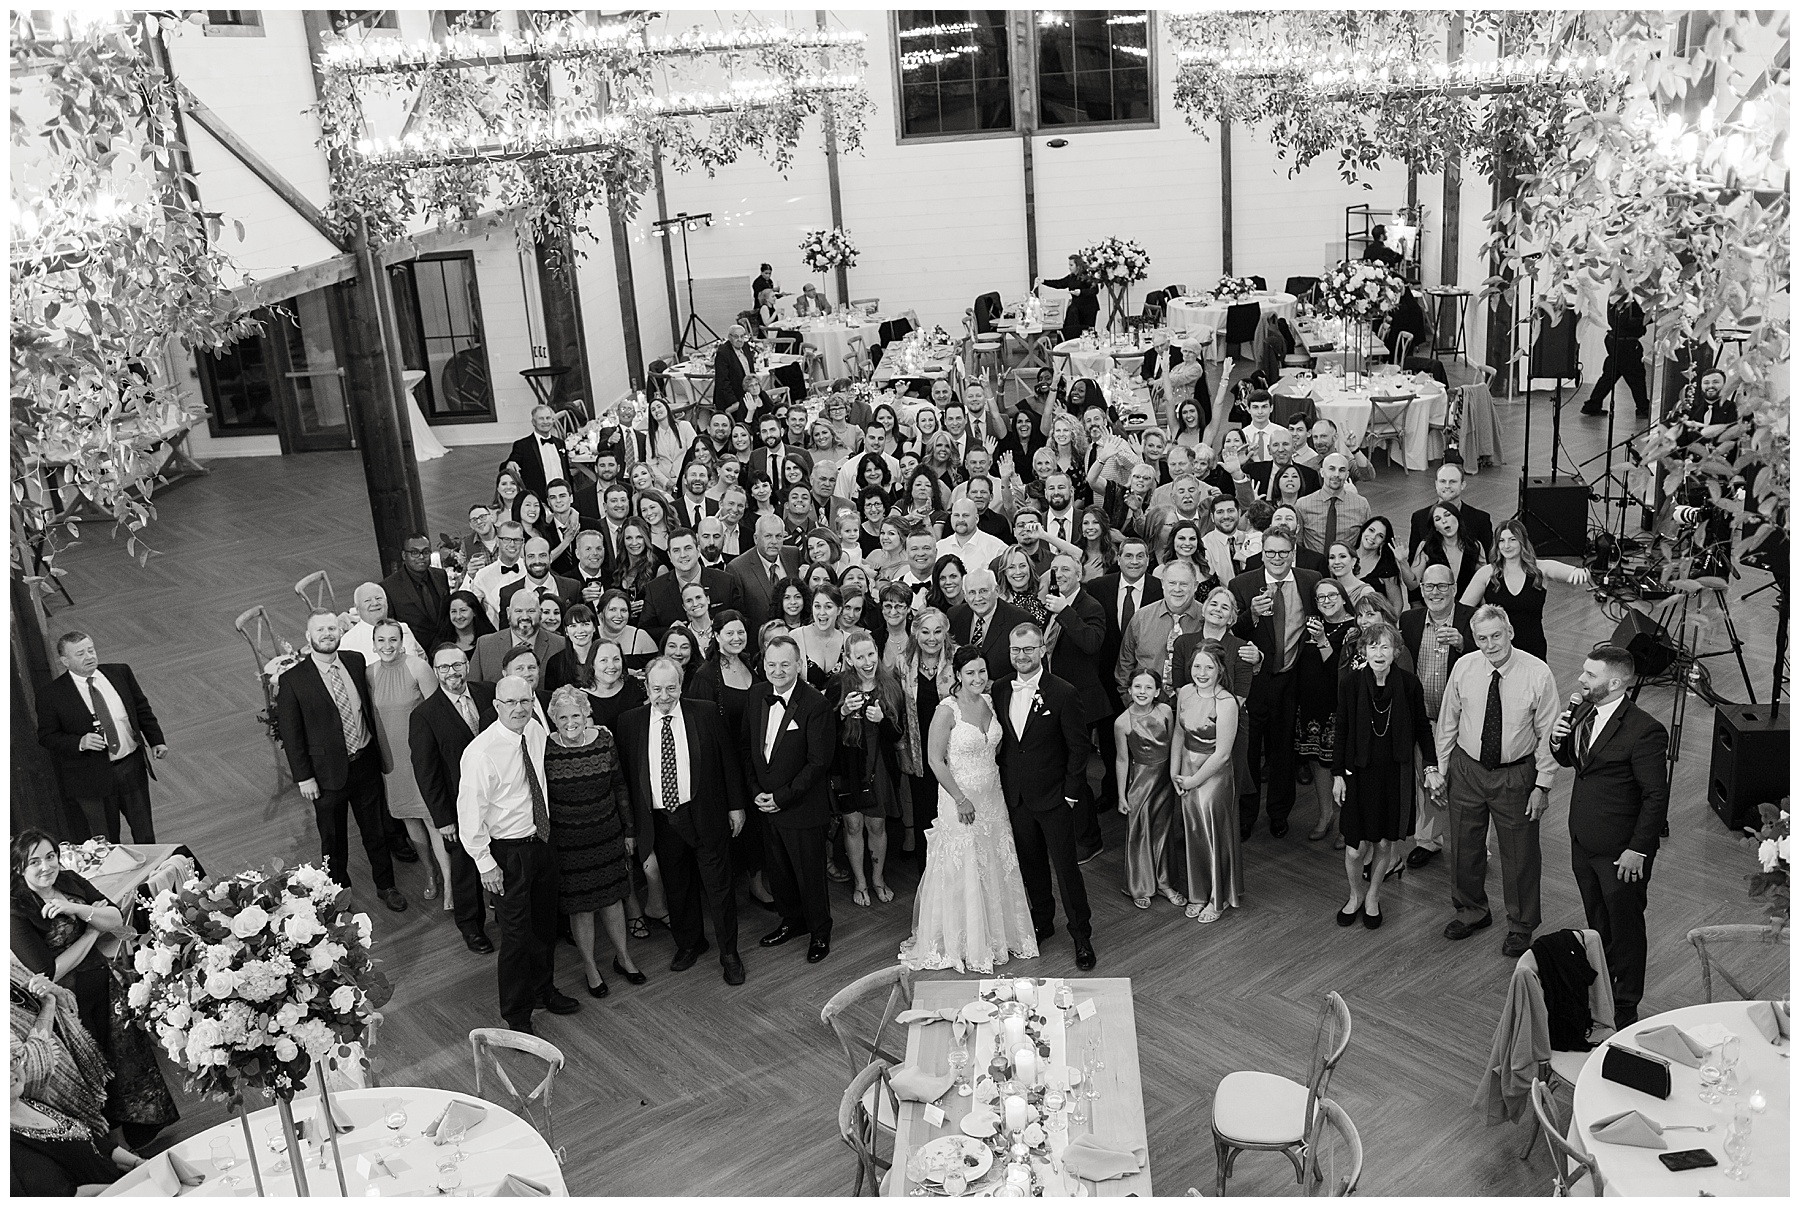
x=466, y=707
x=1062, y=529
x=1330, y=522
x=980, y=631
x=540, y=812
x=348, y=717
x=671, y=776
x=1490, y=725
x=103, y=715
x=1586, y=736
x=1168, y=667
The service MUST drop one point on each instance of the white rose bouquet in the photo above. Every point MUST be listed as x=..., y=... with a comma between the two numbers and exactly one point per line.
x=1359, y=290
x=246, y=980
x=1770, y=883
x=828, y=248
x=1115, y=261
x=1231, y=288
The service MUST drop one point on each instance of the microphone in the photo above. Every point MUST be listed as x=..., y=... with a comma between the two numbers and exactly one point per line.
x=1575, y=699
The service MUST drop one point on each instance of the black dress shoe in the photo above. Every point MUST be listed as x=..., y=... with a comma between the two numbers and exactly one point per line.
x=1084, y=956
x=817, y=950
x=1044, y=932
x=684, y=959
x=631, y=978
x=478, y=943
x=1516, y=945
x=1418, y=857
x=403, y=851
x=1593, y=410
x=733, y=967
x=558, y=1002
x=1348, y=919
x=600, y=990
x=1371, y=921
x=1458, y=929
x=781, y=934
x=1278, y=829
x=393, y=899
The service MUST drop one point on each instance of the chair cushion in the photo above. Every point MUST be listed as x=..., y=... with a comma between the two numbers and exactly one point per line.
x=1568, y=1065
x=1260, y=1108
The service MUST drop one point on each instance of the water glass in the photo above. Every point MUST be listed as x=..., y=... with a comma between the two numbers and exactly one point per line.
x=393, y=1113
x=449, y=1174
x=276, y=1139
x=1737, y=1145
x=917, y=1168
x=1712, y=1071
x=1729, y=1053
x=959, y=1064
x=223, y=1158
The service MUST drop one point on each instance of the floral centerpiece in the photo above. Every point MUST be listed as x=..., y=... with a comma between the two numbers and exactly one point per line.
x=828, y=248
x=1771, y=881
x=1118, y=264
x=1360, y=292
x=1030, y=1145
x=1231, y=288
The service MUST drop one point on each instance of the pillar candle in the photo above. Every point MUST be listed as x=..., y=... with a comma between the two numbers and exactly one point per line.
x=1025, y=1065
x=1025, y=991
x=1015, y=1031
x=1015, y=1113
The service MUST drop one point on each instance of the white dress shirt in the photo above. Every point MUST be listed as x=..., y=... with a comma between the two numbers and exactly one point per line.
x=550, y=459
x=495, y=798
x=487, y=583
x=1137, y=598
x=778, y=717
x=114, y=705
x=361, y=640
x=977, y=552
x=1070, y=519
x=1024, y=691
x=1603, y=714
x=684, y=779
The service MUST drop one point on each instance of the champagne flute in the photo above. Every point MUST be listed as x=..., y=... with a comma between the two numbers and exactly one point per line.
x=224, y=1158
x=455, y=1138
x=959, y=1063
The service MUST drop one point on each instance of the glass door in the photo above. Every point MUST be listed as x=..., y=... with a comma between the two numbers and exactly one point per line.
x=315, y=403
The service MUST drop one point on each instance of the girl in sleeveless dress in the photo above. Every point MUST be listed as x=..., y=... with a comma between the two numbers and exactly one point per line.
x=1206, y=721
x=971, y=912
x=1514, y=580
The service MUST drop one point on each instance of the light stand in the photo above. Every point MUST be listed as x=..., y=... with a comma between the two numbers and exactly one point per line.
x=690, y=331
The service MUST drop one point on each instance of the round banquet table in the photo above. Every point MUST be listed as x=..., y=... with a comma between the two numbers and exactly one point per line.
x=1629, y=1170
x=832, y=336
x=1350, y=409
x=1098, y=362
x=500, y=1144
x=1199, y=318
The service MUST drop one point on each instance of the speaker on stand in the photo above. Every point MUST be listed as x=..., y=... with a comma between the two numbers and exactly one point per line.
x=1555, y=512
x=1653, y=651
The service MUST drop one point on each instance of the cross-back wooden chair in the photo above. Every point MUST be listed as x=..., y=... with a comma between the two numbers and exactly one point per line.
x=1706, y=941
x=1270, y=1113
x=1570, y=1163
x=898, y=981
x=485, y=1044
x=1387, y=426
x=1334, y=1159
x=861, y=1128
x=315, y=589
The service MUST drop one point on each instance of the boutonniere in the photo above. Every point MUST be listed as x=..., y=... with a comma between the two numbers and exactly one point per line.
x=1038, y=707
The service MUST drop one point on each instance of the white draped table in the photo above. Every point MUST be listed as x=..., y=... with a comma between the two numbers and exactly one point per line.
x=832, y=335
x=1350, y=409
x=1200, y=319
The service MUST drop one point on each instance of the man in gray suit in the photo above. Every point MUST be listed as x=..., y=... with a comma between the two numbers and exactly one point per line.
x=522, y=617
x=761, y=568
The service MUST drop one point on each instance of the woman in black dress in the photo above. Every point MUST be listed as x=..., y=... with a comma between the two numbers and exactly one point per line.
x=52, y=1154
x=1449, y=546
x=731, y=679
x=1330, y=632
x=870, y=703
x=1381, y=719
x=1022, y=439
x=592, y=830
x=613, y=693
x=1513, y=581
x=1084, y=299
x=64, y=928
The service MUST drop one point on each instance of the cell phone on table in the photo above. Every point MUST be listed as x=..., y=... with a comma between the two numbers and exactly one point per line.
x=1691, y=1158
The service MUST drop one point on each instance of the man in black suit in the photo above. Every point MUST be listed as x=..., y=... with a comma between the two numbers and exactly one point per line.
x=735, y=385
x=1043, y=775
x=662, y=597
x=1617, y=807
x=983, y=620
x=1261, y=474
x=1073, y=640
x=327, y=723
x=772, y=449
x=538, y=580
x=541, y=457
x=759, y=569
x=687, y=792
x=691, y=504
x=1119, y=594
x=788, y=742
x=1436, y=635
x=1273, y=604
x=438, y=731
x=419, y=593
x=562, y=524
x=98, y=723
x=1477, y=525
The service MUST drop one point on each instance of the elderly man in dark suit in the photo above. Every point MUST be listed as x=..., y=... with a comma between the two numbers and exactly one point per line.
x=99, y=725
x=687, y=789
x=419, y=593
x=522, y=629
x=1436, y=635
x=758, y=570
x=1617, y=807
x=983, y=620
x=1477, y=525
x=327, y=723
x=1273, y=604
x=788, y=743
x=438, y=731
x=541, y=457
x=735, y=384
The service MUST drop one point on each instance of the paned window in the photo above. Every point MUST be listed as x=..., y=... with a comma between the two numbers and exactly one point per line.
x=238, y=384
x=440, y=333
x=1093, y=67
x=955, y=72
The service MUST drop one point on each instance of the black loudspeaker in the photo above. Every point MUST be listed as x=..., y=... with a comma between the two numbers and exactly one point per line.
x=1652, y=650
x=1556, y=515
x=1749, y=763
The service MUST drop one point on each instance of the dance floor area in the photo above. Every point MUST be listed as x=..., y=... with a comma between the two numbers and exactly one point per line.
x=687, y=1086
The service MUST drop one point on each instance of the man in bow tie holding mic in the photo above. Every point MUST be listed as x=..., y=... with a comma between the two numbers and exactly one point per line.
x=540, y=457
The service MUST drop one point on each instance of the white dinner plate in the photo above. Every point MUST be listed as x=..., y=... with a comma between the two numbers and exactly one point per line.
x=979, y=1011
x=963, y=1147
x=977, y=1124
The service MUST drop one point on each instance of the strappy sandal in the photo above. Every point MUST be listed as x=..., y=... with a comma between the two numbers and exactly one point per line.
x=860, y=897
x=637, y=928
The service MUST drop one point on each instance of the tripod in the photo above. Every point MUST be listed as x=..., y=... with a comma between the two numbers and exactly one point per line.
x=690, y=331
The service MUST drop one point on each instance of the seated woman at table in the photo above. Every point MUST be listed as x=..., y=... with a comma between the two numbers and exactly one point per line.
x=65, y=929
x=766, y=313
x=1021, y=441
x=54, y=1155
x=1084, y=298
x=1447, y=546
x=1514, y=580
x=63, y=1065
x=1376, y=563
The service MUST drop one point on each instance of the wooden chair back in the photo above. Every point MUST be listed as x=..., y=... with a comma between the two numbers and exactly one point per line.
x=779, y=396
x=1402, y=344
x=859, y=1128
x=1771, y=979
x=258, y=631
x=1387, y=422
x=859, y=1052
x=1570, y=1164
x=485, y=1046
x=1334, y=1159
x=315, y=589
x=1329, y=1042
x=785, y=342
x=856, y=358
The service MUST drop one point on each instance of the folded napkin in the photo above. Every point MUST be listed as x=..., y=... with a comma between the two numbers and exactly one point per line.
x=1629, y=1127
x=913, y=1084
x=986, y=1091
x=982, y=1118
x=1674, y=1043
x=458, y=1111
x=1711, y=1034
x=1771, y=1018
x=165, y=1176
x=515, y=1187
x=908, y=1017
x=1096, y=1160
x=340, y=1121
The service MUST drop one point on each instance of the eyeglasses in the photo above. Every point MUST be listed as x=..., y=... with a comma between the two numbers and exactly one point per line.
x=1026, y=649
x=446, y=667
x=1268, y=553
x=1436, y=586
x=421, y=551
x=526, y=703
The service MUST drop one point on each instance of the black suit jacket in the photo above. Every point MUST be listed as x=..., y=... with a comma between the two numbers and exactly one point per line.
x=716, y=777
x=754, y=586
x=524, y=454
x=311, y=731
x=564, y=565
x=1077, y=657
x=759, y=462
x=797, y=773
x=996, y=642
x=1105, y=591
x=1261, y=630
x=729, y=377
x=1621, y=794
x=662, y=599
x=438, y=735
x=1045, y=767
x=1477, y=525
x=409, y=603
x=559, y=586
x=689, y=517
x=63, y=719
x=1412, y=630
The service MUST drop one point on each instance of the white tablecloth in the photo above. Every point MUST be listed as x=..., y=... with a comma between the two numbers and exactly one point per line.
x=1350, y=410
x=1098, y=362
x=1633, y=1171
x=500, y=1144
x=1201, y=320
x=832, y=336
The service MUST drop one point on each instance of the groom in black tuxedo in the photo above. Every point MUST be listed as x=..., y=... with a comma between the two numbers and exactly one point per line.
x=1043, y=775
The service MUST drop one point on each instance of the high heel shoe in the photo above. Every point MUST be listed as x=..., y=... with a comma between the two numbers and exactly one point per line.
x=434, y=882
x=1397, y=872
x=632, y=978
x=1370, y=921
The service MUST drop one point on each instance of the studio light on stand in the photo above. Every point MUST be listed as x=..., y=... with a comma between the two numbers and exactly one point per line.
x=690, y=331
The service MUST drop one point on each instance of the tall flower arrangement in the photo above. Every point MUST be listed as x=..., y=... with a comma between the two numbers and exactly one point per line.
x=1359, y=292
x=827, y=248
x=246, y=980
x=1770, y=882
x=1115, y=262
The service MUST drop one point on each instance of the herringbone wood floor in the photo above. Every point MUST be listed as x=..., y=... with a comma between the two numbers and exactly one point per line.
x=687, y=1086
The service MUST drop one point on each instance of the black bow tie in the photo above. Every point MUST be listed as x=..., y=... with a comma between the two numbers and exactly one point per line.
x=550, y=440
x=776, y=700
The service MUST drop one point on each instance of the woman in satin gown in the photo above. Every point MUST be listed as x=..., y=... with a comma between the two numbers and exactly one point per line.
x=971, y=912
x=1142, y=734
x=1206, y=721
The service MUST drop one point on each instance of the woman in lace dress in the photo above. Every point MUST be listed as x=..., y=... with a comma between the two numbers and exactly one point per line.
x=971, y=912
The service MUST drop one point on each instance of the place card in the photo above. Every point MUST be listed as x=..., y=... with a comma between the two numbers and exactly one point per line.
x=934, y=1115
x=1086, y=1010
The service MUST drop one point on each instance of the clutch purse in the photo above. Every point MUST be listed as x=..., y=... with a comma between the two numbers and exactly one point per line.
x=1639, y=1070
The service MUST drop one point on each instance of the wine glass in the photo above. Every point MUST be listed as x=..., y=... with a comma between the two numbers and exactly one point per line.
x=1737, y=1145
x=1098, y=1044
x=1711, y=1071
x=454, y=1136
x=224, y=1158
x=955, y=1182
x=276, y=1139
x=1729, y=1052
x=449, y=1174
x=959, y=1063
x=393, y=1113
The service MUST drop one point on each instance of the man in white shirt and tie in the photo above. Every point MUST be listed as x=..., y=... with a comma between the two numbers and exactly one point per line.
x=98, y=724
x=976, y=548
x=1257, y=435
x=503, y=820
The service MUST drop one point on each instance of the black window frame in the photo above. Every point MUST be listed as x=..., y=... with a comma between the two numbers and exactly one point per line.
x=404, y=281
x=234, y=23
x=940, y=18
x=1038, y=30
x=206, y=369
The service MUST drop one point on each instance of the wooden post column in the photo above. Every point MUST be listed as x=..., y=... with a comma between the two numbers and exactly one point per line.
x=835, y=186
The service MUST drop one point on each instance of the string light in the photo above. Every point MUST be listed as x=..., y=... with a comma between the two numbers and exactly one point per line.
x=939, y=31
x=1378, y=71
x=916, y=60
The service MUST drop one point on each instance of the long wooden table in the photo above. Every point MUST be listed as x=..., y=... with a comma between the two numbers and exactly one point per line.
x=1116, y=1117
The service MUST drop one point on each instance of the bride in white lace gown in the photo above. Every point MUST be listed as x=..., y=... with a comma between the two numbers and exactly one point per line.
x=970, y=912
